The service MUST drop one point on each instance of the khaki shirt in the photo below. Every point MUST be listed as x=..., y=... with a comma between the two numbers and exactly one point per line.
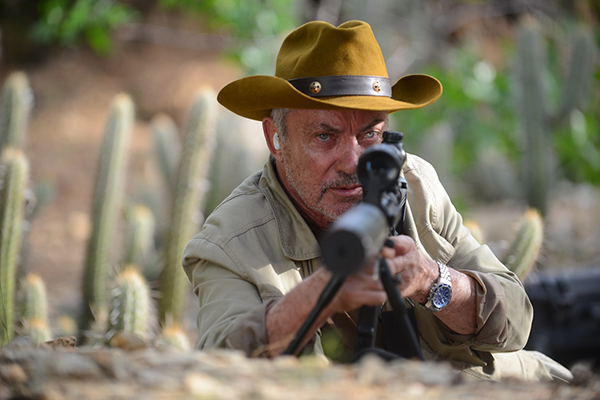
x=255, y=247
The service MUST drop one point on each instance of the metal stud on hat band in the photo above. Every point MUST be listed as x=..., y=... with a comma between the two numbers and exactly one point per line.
x=344, y=85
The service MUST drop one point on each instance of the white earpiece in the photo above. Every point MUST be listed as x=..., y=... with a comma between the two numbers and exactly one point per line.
x=276, y=142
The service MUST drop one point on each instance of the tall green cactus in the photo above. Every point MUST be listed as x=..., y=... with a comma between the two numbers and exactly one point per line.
x=14, y=172
x=130, y=304
x=106, y=203
x=579, y=79
x=525, y=247
x=33, y=309
x=15, y=104
x=532, y=110
x=536, y=118
x=189, y=196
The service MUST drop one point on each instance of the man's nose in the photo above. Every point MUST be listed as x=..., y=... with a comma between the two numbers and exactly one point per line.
x=348, y=155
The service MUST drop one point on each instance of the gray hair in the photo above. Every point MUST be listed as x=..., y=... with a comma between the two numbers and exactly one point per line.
x=279, y=116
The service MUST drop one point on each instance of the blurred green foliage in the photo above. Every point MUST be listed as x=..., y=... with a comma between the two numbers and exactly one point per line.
x=478, y=104
x=256, y=25
x=478, y=100
x=66, y=22
x=475, y=103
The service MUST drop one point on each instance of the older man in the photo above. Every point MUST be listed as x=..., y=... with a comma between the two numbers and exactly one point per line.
x=256, y=265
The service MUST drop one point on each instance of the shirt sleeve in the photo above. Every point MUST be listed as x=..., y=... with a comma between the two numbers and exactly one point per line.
x=491, y=321
x=504, y=312
x=249, y=331
x=232, y=311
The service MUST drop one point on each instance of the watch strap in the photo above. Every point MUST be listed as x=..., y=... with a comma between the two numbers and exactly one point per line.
x=442, y=281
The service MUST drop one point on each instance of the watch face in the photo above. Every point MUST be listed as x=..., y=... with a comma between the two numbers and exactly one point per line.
x=442, y=296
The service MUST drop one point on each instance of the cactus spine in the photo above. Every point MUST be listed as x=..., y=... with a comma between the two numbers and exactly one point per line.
x=14, y=171
x=33, y=306
x=189, y=196
x=523, y=251
x=15, y=105
x=536, y=120
x=106, y=203
x=130, y=305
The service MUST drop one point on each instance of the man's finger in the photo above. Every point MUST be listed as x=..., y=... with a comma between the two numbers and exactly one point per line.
x=402, y=244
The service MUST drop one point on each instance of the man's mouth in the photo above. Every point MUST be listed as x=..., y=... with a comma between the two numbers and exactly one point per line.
x=346, y=186
x=347, y=190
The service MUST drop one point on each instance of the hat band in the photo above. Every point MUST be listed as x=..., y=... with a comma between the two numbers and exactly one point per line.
x=344, y=85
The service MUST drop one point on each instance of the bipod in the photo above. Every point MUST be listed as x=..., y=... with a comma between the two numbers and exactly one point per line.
x=406, y=344
x=368, y=316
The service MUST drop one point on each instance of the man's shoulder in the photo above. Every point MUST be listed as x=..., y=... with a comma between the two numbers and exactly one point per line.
x=246, y=207
x=416, y=165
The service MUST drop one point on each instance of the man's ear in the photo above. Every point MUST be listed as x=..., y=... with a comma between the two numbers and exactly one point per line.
x=272, y=137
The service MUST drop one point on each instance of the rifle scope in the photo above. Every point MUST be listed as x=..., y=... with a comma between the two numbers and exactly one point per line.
x=358, y=235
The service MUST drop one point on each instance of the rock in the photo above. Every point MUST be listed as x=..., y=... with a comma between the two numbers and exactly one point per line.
x=12, y=374
x=61, y=342
x=127, y=341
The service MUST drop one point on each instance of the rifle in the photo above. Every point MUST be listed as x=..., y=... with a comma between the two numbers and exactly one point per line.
x=357, y=238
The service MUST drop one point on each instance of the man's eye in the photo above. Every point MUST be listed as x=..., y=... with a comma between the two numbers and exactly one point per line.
x=323, y=137
x=371, y=135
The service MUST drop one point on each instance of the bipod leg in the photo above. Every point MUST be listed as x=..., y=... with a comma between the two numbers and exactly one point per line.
x=408, y=337
x=328, y=293
x=366, y=328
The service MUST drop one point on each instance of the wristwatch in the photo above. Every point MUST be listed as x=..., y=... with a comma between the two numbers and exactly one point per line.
x=441, y=290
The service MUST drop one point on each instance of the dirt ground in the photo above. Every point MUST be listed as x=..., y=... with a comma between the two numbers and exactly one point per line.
x=73, y=91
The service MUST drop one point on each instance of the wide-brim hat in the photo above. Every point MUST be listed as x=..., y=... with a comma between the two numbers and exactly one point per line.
x=320, y=66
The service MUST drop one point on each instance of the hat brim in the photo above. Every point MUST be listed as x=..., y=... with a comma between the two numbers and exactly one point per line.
x=254, y=97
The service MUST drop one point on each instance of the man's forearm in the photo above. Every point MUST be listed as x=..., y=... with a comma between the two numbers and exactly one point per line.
x=460, y=314
x=286, y=317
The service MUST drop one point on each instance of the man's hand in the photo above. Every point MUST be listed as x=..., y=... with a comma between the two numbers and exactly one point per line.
x=359, y=289
x=417, y=272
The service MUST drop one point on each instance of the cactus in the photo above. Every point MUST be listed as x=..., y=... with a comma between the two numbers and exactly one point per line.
x=37, y=330
x=579, y=77
x=14, y=171
x=535, y=116
x=130, y=304
x=167, y=148
x=15, y=104
x=106, y=203
x=523, y=250
x=33, y=309
x=173, y=337
x=475, y=230
x=532, y=111
x=189, y=196
x=139, y=236
x=33, y=302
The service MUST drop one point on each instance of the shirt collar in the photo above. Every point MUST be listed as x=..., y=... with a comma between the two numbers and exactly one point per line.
x=295, y=236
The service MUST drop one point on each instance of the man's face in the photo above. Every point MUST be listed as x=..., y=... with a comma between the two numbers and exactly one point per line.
x=317, y=163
